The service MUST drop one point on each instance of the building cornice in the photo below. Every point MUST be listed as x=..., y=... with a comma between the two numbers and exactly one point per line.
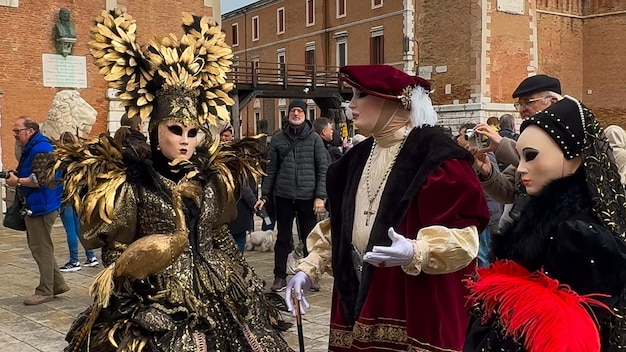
x=243, y=10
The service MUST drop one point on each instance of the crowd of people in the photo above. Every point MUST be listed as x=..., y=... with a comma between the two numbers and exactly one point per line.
x=492, y=240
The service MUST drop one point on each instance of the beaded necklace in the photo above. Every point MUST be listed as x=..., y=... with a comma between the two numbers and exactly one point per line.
x=368, y=213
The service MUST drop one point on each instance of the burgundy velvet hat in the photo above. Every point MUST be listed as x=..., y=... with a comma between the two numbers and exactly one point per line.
x=382, y=81
x=388, y=82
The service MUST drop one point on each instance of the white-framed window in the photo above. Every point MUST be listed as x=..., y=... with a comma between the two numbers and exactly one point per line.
x=342, y=53
x=377, y=46
x=255, y=28
x=255, y=63
x=257, y=120
x=341, y=8
x=235, y=34
x=280, y=57
x=282, y=111
x=311, y=114
x=377, y=3
x=310, y=12
x=309, y=57
x=341, y=48
x=280, y=20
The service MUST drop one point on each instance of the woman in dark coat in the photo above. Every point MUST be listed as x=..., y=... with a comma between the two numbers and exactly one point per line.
x=244, y=221
x=557, y=283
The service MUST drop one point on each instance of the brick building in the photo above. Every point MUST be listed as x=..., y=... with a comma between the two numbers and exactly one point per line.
x=27, y=28
x=474, y=52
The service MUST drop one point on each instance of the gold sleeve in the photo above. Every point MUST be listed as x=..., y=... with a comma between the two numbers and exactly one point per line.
x=318, y=244
x=441, y=250
x=40, y=163
x=123, y=228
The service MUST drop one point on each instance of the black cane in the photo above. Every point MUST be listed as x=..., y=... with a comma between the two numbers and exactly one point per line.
x=296, y=307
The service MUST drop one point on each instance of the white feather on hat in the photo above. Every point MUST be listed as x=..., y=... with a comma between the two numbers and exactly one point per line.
x=421, y=107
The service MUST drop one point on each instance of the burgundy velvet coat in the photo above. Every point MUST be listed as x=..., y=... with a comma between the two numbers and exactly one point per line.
x=432, y=183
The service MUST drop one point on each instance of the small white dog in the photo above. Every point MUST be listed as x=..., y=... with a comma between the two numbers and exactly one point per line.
x=261, y=241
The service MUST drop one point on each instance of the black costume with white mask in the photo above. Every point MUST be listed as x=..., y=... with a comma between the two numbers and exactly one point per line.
x=570, y=233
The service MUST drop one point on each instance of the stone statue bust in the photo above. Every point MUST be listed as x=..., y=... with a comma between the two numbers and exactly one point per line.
x=64, y=33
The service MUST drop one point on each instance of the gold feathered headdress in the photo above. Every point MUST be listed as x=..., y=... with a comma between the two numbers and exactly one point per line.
x=182, y=80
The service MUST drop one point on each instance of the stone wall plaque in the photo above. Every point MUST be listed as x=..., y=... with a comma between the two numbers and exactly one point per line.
x=511, y=6
x=64, y=72
x=425, y=72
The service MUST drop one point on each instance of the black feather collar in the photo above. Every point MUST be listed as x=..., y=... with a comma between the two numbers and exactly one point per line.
x=526, y=240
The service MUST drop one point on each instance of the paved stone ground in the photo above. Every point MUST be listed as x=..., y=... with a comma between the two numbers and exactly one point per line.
x=43, y=327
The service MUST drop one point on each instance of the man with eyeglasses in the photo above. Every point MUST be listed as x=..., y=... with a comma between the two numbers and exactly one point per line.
x=533, y=94
x=41, y=207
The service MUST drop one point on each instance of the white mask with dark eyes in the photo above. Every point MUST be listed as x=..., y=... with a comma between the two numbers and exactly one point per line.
x=177, y=140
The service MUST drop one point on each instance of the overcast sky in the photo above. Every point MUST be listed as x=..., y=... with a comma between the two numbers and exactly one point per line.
x=229, y=5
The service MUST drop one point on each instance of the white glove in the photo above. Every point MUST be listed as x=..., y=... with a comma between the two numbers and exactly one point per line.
x=300, y=283
x=399, y=253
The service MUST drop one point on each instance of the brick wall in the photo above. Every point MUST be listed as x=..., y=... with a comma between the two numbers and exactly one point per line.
x=509, y=52
x=561, y=51
x=604, y=88
x=27, y=34
x=447, y=41
x=581, y=44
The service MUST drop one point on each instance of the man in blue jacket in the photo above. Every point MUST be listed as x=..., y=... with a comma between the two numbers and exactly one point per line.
x=41, y=208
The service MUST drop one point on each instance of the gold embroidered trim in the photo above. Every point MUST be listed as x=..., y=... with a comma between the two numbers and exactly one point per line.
x=386, y=333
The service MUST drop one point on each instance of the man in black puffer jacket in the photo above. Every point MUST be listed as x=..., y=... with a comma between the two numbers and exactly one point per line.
x=296, y=178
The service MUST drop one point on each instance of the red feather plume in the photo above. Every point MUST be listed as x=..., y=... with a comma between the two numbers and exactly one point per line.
x=536, y=309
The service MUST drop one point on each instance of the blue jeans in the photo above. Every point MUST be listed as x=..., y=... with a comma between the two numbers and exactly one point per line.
x=483, y=248
x=71, y=224
x=240, y=239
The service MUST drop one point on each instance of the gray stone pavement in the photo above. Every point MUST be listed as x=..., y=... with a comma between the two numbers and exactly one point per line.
x=43, y=327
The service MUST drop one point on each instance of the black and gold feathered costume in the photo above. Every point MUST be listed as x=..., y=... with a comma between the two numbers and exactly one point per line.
x=175, y=280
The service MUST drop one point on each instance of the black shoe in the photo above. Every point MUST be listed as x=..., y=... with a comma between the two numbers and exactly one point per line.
x=91, y=262
x=69, y=267
x=315, y=287
x=279, y=284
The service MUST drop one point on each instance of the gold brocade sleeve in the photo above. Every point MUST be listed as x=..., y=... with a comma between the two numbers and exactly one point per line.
x=441, y=250
x=40, y=163
x=318, y=244
x=123, y=228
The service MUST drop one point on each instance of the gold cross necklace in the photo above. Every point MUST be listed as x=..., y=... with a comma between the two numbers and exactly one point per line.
x=371, y=198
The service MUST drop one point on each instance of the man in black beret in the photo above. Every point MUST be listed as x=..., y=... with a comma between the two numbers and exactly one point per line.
x=534, y=94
